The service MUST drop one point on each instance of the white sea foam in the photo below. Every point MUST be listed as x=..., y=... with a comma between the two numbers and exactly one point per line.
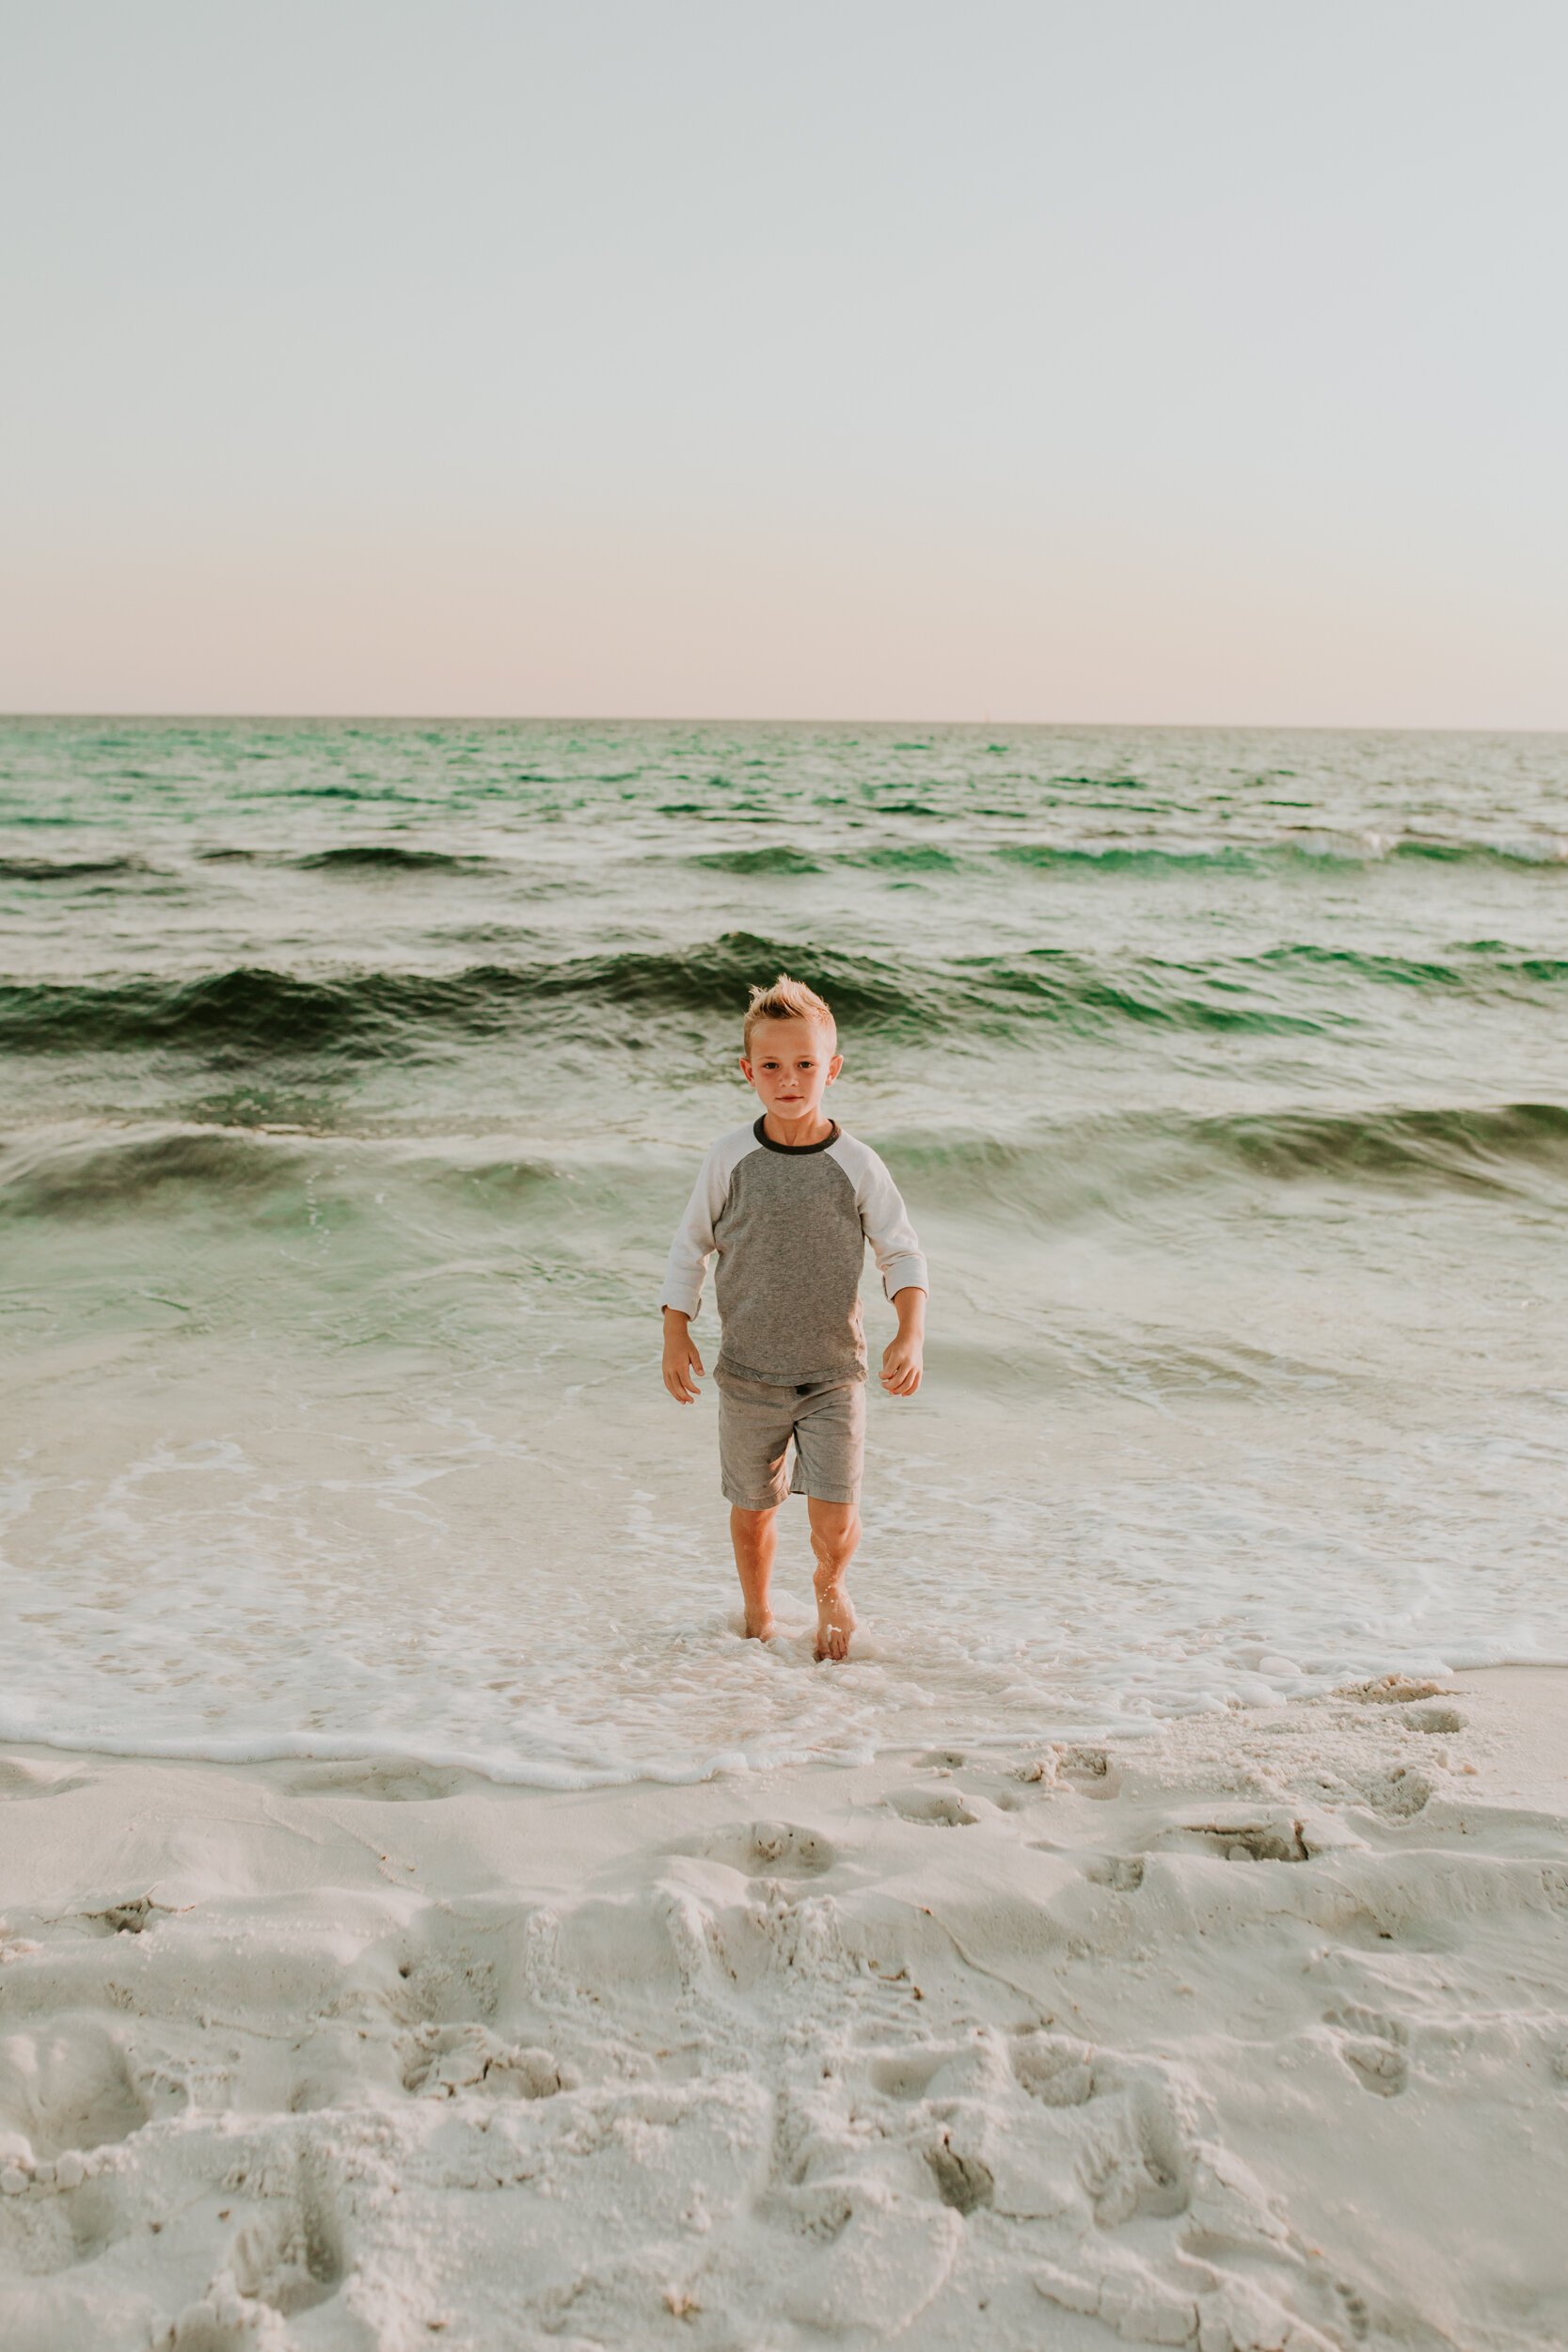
x=294, y=1594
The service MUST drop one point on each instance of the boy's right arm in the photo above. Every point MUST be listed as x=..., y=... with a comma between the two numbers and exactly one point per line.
x=684, y=1276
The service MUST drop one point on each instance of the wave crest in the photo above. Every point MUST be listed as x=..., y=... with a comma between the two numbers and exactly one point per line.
x=1105, y=1164
x=254, y=1010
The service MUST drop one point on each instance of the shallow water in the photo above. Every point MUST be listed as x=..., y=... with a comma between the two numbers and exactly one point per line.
x=354, y=1076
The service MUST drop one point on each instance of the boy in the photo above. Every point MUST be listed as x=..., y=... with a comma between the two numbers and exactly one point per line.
x=789, y=1204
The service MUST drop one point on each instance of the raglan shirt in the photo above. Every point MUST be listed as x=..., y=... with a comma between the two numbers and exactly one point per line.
x=789, y=1223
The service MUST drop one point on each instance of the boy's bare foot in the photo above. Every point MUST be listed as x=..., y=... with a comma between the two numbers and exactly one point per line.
x=836, y=1622
x=760, y=1628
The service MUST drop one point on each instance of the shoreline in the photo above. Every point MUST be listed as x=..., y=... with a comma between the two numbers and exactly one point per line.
x=544, y=1777
x=1251, y=2032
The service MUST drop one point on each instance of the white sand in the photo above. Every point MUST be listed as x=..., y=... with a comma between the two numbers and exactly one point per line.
x=1253, y=2033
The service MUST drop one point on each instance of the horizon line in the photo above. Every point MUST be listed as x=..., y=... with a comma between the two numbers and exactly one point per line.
x=697, y=719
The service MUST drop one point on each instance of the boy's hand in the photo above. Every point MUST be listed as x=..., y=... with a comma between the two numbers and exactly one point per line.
x=683, y=1366
x=902, y=1357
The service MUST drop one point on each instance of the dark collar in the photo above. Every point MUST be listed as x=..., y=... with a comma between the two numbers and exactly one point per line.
x=793, y=1151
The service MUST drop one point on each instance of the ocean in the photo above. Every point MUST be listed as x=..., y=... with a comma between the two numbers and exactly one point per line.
x=355, y=1076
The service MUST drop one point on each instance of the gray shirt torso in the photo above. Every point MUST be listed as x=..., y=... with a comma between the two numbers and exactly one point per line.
x=789, y=1226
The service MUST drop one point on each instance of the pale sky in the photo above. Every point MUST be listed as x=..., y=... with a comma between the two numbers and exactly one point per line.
x=1164, y=360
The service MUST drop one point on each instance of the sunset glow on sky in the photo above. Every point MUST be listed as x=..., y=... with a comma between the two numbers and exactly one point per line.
x=885, y=358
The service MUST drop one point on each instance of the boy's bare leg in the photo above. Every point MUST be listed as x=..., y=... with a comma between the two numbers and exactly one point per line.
x=835, y=1530
x=755, y=1538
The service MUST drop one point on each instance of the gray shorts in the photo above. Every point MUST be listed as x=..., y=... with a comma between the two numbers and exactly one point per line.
x=757, y=1421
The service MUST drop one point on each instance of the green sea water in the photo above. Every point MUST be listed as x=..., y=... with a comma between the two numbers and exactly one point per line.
x=355, y=1076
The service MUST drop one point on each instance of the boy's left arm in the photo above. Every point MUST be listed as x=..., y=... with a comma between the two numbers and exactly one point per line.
x=903, y=1357
x=902, y=1267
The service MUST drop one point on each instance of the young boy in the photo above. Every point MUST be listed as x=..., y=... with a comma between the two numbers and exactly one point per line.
x=789, y=1204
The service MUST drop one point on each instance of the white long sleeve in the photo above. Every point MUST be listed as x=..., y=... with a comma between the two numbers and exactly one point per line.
x=885, y=1219
x=686, y=1268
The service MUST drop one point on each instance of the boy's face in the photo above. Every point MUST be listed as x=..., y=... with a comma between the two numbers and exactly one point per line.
x=792, y=1063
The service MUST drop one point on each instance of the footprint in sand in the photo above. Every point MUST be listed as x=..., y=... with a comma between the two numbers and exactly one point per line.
x=71, y=2089
x=1436, y=1719
x=443, y=1979
x=18, y=1779
x=1358, y=2317
x=954, y=2069
x=962, y=2181
x=439, y=2061
x=934, y=1808
x=1373, y=2048
x=1089, y=1771
x=1279, y=1840
x=223, y=2320
x=293, y=2260
x=1398, y=1794
x=1146, y=2169
x=379, y=1783
x=71, y=2216
x=1054, y=2068
x=290, y=2260
x=770, y=1850
x=1122, y=1872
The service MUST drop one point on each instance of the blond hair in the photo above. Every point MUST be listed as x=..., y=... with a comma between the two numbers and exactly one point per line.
x=786, y=1000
